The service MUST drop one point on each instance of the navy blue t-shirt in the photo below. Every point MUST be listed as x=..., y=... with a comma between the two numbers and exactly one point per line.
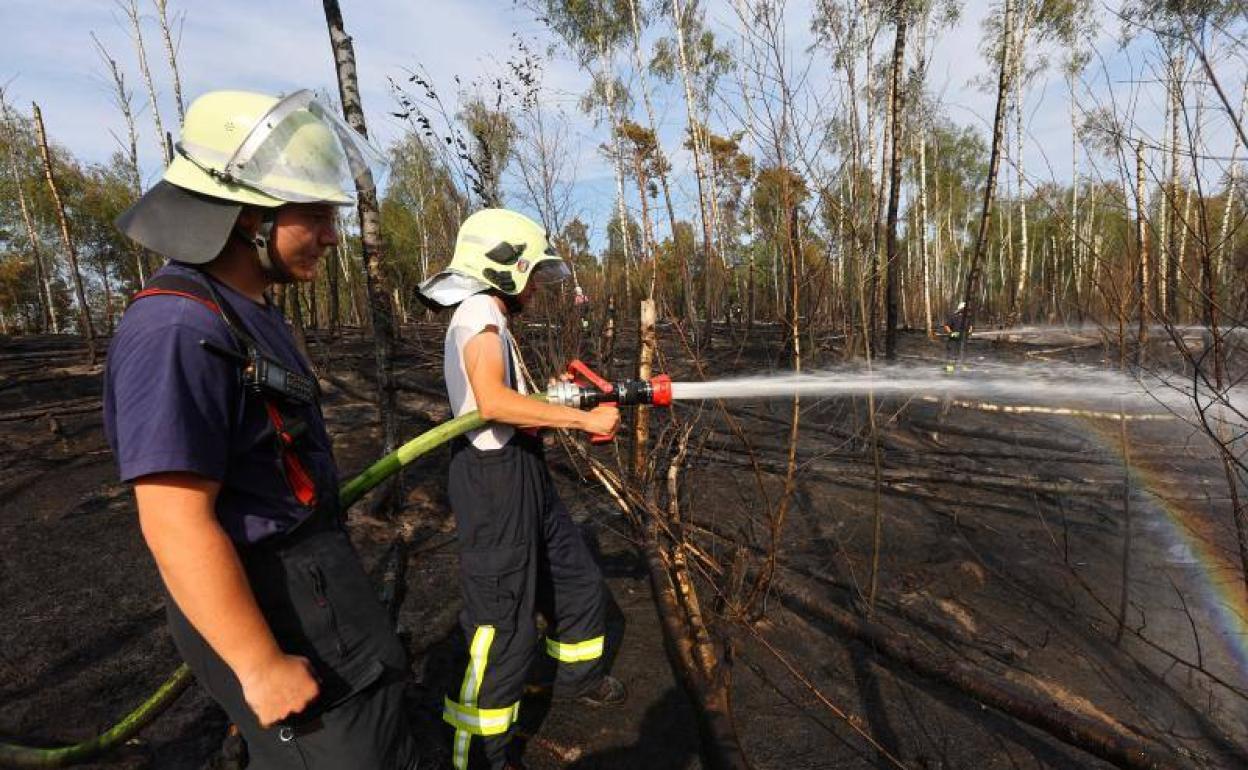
x=171, y=405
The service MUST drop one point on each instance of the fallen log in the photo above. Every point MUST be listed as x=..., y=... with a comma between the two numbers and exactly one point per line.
x=1026, y=439
x=1023, y=696
x=854, y=475
x=53, y=411
x=1058, y=411
x=947, y=626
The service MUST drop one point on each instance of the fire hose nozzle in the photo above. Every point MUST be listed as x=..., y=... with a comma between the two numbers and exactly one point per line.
x=661, y=390
x=587, y=390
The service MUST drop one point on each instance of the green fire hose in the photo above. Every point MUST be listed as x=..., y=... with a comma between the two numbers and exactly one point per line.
x=28, y=757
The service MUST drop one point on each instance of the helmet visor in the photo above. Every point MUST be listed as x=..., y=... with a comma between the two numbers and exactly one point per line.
x=301, y=151
x=550, y=272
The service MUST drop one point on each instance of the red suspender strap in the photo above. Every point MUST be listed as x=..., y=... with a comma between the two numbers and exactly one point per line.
x=156, y=292
x=297, y=476
x=301, y=483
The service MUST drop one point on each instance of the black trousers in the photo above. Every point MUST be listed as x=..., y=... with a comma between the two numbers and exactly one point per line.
x=520, y=553
x=317, y=600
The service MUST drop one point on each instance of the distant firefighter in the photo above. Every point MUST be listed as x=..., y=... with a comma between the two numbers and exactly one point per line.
x=955, y=327
x=581, y=302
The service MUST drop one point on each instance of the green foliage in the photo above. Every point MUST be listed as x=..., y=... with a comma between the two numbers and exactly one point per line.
x=420, y=213
x=493, y=135
x=589, y=27
x=707, y=60
x=93, y=196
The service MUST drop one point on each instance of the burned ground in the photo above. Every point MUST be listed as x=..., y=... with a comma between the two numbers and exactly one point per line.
x=1000, y=559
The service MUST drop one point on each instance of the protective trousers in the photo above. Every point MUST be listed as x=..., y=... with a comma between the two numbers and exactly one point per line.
x=312, y=590
x=520, y=553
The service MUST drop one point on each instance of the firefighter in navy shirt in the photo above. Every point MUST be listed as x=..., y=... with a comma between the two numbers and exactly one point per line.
x=213, y=416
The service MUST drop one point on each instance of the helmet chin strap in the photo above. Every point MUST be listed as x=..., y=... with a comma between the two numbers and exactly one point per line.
x=261, y=241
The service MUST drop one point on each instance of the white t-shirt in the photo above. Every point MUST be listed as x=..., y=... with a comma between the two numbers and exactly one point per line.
x=472, y=317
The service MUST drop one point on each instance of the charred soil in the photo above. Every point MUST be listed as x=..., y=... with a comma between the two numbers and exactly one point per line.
x=1000, y=554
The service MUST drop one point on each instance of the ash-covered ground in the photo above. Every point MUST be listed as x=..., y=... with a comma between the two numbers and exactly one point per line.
x=1001, y=552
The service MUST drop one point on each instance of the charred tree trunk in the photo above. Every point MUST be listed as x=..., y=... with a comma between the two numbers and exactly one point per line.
x=84, y=312
x=370, y=230
x=990, y=185
x=892, y=266
x=331, y=279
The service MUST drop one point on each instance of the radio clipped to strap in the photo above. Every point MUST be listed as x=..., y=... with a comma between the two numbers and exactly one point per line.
x=274, y=383
x=262, y=373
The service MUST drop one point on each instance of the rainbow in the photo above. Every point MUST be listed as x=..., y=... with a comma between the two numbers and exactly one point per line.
x=1202, y=541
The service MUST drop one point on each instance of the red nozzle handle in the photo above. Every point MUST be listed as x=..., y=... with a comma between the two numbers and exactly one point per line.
x=583, y=375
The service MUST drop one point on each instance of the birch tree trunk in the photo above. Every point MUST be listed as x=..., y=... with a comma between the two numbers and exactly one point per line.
x=131, y=147
x=751, y=283
x=990, y=184
x=921, y=131
x=652, y=124
x=84, y=312
x=131, y=9
x=162, y=14
x=1181, y=254
x=380, y=310
x=646, y=344
x=47, y=308
x=1224, y=246
x=695, y=133
x=1170, y=304
x=894, y=183
x=617, y=164
x=1025, y=16
x=1074, y=185
x=1141, y=239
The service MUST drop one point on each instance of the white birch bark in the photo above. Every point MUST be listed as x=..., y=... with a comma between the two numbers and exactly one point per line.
x=131, y=9
x=171, y=53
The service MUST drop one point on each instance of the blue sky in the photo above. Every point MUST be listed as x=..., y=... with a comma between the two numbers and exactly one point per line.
x=280, y=46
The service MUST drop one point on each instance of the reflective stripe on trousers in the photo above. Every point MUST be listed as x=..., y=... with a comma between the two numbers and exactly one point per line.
x=465, y=716
x=575, y=652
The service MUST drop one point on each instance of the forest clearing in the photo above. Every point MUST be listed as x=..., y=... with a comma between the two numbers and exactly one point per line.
x=931, y=449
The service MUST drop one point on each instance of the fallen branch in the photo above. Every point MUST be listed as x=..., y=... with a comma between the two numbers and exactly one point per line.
x=694, y=657
x=986, y=406
x=1028, y=698
x=53, y=411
